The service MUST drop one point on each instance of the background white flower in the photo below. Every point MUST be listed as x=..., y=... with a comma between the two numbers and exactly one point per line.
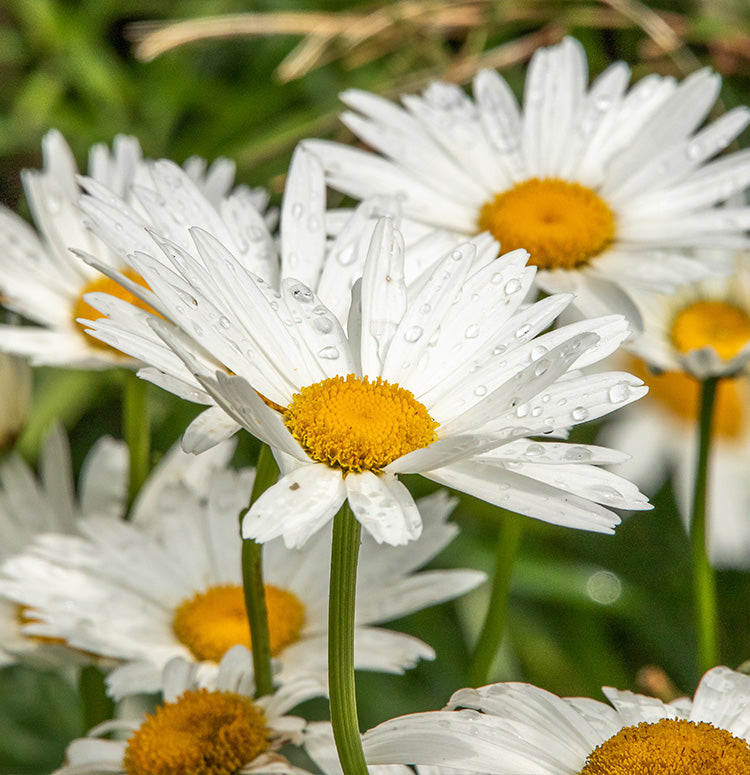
x=170, y=585
x=42, y=280
x=223, y=724
x=606, y=188
x=31, y=506
x=519, y=729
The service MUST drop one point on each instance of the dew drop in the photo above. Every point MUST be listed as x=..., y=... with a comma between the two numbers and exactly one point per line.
x=224, y=322
x=480, y=390
x=302, y=294
x=534, y=450
x=188, y=299
x=545, y=398
x=500, y=349
x=346, y=255
x=472, y=331
x=496, y=278
x=426, y=309
x=457, y=255
x=579, y=414
x=323, y=325
x=512, y=286
x=542, y=367
x=536, y=411
x=522, y=410
x=297, y=210
x=619, y=392
x=413, y=334
x=523, y=330
x=313, y=223
x=538, y=352
x=578, y=454
x=329, y=353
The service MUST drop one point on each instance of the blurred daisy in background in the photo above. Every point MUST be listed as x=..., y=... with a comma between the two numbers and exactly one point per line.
x=171, y=585
x=42, y=281
x=704, y=330
x=448, y=377
x=606, y=188
x=198, y=730
x=519, y=729
x=31, y=506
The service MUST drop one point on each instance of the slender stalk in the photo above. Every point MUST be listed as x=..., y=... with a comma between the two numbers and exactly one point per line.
x=137, y=430
x=704, y=579
x=95, y=704
x=341, y=602
x=266, y=473
x=509, y=540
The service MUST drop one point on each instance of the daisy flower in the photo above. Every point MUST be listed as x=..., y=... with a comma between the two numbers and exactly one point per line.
x=606, y=188
x=708, y=324
x=170, y=585
x=171, y=227
x=519, y=729
x=198, y=730
x=42, y=281
x=30, y=506
x=448, y=377
x=702, y=330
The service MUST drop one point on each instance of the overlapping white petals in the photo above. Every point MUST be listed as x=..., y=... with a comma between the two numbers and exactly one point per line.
x=507, y=729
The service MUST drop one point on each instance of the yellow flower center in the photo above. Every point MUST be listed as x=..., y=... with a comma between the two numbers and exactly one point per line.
x=679, y=393
x=717, y=324
x=201, y=733
x=670, y=747
x=357, y=425
x=106, y=285
x=562, y=225
x=211, y=622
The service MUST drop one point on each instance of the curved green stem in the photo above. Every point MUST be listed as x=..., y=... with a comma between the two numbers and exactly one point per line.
x=136, y=430
x=704, y=579
x=511, y=528
x=266, y=473
x=341, y=603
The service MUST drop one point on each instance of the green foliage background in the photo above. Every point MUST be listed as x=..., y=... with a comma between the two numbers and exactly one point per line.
x=69, y=65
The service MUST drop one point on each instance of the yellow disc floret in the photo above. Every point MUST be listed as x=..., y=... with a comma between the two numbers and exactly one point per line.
x=670, y=747
x=680, y=394
x=211, y=622
x=105, y=285
x=358, y=425
x=717, y=324
x=563, y=225
x=201, y=733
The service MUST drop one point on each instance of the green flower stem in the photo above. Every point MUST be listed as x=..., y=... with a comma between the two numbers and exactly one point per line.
x=704, y=579
x=341, y=601
x=266, y=473
x=137, y=431
x=96, y=706
x=511, y=527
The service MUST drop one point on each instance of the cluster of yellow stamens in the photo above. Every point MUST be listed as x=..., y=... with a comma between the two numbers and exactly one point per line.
x=669, y=747
x=563, y=225
x=201, y=733
x=211, y=622
x=680, y=394
x=105, y=285
x=358, y=425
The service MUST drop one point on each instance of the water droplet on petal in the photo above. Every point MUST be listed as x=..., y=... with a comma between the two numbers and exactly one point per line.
x=578, y=454
x=480, y=390
x=522, y=410
x=302, y=294
x=472, y=331
x=324, y=325
x=542, y=366
x=523, y=330
x=619, y=392
x=297, y=210
x=534, y=450
x=329, y=353
x=512, y=286
x=580, y=413
x=224, y=322
x=426, y=309
x=413, y=333
x=500, y=349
